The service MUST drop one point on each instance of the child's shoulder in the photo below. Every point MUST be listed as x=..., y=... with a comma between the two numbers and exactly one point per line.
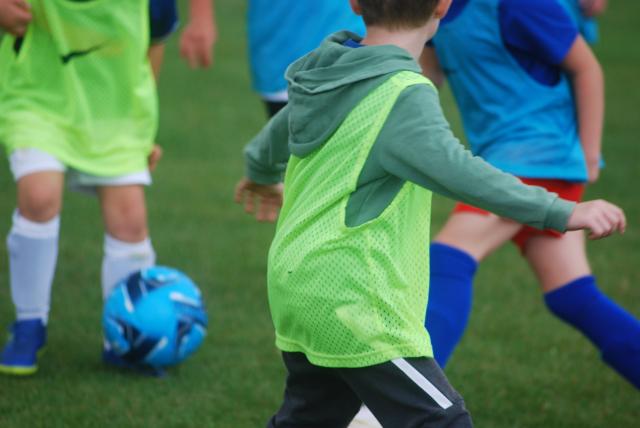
x=542, y=29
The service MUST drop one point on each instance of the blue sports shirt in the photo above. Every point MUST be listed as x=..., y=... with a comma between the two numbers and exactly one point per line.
x=284, y=30
x=511, y=118
x=538, y=35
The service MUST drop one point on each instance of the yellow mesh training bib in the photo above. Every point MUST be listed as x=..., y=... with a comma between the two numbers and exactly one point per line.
x=79, y=86
x=350, y=296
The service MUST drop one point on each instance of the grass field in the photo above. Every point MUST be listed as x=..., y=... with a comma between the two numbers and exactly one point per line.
x=517, y=366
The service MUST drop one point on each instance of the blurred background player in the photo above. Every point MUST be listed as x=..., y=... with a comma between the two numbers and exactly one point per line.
x=64, y=124
x=196, y=42
x=531, y=97
x=362, y=140
x=282, y=31
x=197, y=39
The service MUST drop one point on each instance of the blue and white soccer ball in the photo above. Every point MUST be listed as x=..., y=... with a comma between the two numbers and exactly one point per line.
x=155, y=317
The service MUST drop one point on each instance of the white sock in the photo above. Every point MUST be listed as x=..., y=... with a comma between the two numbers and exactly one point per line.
x=33, y=253
x=123, y=258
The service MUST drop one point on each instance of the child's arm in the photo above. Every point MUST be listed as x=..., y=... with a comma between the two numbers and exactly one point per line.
x=588, y=86
x=431, y=66
x=15, y=16
x=198, y=38
x=266, y=160
x=417, y=145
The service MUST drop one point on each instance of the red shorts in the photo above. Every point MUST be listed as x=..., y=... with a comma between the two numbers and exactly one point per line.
x=565, y=189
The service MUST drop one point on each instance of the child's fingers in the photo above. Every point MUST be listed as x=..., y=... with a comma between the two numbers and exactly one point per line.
x=187, y=53
x=273, y=209
x=616, y=217
x=249, y=203
x=238, y=194
x=204, y=57
x=598, y=228
x=267, y=210
x=622, y=225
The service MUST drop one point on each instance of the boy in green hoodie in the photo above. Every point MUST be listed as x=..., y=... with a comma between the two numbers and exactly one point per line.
x=364, y=142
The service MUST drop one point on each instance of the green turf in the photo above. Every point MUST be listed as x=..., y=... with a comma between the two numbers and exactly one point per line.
x=517, y=366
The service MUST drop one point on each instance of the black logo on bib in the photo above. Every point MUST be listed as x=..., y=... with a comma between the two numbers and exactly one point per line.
x=80, y=53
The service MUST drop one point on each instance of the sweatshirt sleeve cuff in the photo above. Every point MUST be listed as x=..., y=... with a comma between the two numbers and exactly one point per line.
x=262, y=176
x=558, y=214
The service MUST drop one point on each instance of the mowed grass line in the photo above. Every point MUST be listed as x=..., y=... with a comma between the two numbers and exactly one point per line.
x=517, y=366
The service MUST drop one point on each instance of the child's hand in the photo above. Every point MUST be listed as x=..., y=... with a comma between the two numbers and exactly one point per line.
x=600, y=217
x=15, y=16
x=593, y=7
x=196, y=42
x=154, y=157
x=269, y=199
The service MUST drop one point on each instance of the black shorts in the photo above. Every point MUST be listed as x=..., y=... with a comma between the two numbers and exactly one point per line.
x=403, y=393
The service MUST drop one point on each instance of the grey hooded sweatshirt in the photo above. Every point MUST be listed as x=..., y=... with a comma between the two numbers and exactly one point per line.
x=415, y=144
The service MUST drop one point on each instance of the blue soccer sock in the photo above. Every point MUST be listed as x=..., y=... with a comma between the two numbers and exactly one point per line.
x=614, y=331
x=450, y=295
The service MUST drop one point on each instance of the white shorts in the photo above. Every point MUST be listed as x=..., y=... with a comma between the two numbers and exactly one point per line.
x=29, y=161
x=277, y=97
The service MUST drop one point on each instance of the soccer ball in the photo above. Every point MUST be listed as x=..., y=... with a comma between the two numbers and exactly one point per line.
x=155, y=317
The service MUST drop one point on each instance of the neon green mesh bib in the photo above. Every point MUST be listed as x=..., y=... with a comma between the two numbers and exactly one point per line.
x=79, y=87
x=350, y=297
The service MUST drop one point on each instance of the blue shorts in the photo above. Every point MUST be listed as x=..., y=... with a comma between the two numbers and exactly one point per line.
x=163, y=19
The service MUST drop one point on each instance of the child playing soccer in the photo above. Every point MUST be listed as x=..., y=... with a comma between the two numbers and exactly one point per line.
x=197, y=39
x=77, y=101
x=363, y=138
x=530, y=93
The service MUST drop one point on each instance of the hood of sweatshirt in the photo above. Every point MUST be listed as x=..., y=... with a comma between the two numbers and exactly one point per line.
x=327, y=84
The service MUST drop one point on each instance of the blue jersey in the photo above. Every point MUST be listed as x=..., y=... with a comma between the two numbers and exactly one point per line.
x=511, y=119
x=282, y=31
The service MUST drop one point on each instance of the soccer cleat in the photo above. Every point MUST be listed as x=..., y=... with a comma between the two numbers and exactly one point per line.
x=20, y=355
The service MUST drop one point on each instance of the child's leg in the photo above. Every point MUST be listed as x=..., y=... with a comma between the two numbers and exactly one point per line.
x=571, y=294
x=156, y=58
x=314, y=397
x=127, y=247
x=465, y=240
x=408, y=392
x=33, y=243
x=33, y=251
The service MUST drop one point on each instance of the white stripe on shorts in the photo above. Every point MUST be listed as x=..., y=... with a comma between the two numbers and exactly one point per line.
x=422, y=382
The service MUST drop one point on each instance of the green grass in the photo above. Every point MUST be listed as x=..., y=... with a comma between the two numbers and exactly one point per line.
x=517, y=366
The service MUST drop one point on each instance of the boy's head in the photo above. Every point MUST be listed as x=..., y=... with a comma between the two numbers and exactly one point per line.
x=399, y=14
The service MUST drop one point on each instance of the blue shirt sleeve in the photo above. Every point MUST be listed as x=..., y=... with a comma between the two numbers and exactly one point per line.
x=541, y=29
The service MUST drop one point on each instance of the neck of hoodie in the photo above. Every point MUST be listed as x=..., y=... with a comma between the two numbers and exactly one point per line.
x=326, y=85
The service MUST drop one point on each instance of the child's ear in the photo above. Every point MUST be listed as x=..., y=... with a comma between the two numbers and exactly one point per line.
x=355, y=6
x=442, y=8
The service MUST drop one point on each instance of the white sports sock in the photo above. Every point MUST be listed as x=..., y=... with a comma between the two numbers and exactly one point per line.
x=121, y=259
x=33, y=253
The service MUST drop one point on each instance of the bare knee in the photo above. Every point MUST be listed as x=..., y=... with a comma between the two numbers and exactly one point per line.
x=124, y=213
x=556, y=261
x=40, y=196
